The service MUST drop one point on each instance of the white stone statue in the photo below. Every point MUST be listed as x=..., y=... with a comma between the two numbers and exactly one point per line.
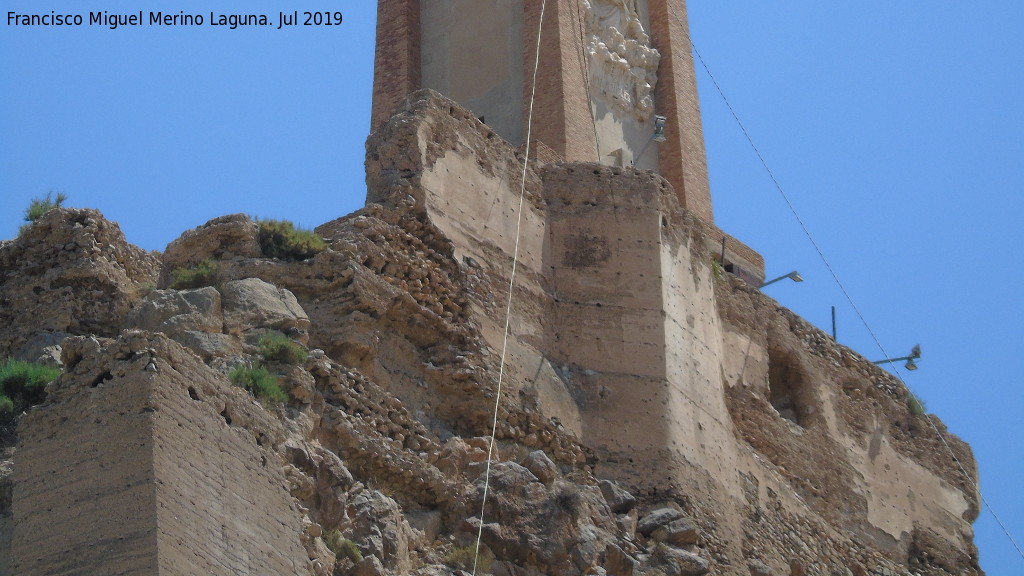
x=623, y=65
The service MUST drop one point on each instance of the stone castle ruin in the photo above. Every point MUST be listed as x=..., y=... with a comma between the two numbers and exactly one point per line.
x=656, y=418
x=606, y=69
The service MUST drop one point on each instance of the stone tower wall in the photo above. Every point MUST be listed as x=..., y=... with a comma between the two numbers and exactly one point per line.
x=204, y=452
x=636, y=322
x=168, y=476
x=106, y=510
x=623, y=333
x=563, y=118
x=609, y=326
x=476, y=56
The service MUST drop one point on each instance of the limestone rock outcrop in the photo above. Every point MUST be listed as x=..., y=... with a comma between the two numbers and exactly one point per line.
x=223, y=238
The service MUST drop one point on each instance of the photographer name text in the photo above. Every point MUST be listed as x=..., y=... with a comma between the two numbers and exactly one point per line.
x=114, y=21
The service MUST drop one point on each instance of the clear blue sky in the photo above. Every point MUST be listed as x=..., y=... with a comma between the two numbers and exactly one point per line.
x=895, y=129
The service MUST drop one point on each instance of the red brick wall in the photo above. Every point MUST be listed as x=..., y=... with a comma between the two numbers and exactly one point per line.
x=396, y=64
x=561, y=118
x=682, y=158
x=561, y=111
x=749, y=262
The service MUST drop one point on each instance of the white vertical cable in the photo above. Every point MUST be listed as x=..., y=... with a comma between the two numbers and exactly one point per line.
x=511, y=283
x=828, y=265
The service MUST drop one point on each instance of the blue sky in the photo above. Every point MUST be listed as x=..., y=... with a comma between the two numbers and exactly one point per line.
x=894, y=128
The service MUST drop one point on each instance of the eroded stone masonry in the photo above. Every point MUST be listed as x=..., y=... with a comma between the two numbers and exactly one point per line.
x=655, y=419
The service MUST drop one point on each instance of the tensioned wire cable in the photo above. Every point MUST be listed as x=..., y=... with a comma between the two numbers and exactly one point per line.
x=846, y=293
x=511, y=285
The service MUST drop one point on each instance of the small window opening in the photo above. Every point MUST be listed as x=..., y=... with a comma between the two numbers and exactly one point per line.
x=788, y=389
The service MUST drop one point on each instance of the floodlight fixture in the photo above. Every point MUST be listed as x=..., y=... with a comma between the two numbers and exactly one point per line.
x=659, y=129
x=794, y=276
x=915, y=354
x=657, y=136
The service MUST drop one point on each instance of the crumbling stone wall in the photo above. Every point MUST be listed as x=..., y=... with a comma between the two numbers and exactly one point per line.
x=139, y=463
x=87, y=469
x=751, y=443
x=71, y=272
x=604, y=230
x=439, y=160
x=841, y=433
x=671, y=378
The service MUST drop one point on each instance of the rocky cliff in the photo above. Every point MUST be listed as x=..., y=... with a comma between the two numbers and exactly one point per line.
x=654, y=417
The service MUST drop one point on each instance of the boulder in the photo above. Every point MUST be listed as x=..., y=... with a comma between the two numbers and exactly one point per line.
x=209, y=345
x=617, y=562
x=562, y=529
x=193, y=318
x=377, y=526
x=42, y=347
x=679, y=533
x=457, y=455
x=252, y=304
x=676, y=562
x=369, y=566
x=322, y=480
x=618, y=499
x=333, y=480
x=541, y=466
x=656, y=519
x=758, y=568
x=175, y=311
x=219, y=239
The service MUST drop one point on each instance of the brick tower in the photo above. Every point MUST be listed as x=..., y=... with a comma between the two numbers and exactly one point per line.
x=608, y=70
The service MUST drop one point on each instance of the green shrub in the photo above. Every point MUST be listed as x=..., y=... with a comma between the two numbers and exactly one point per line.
x=23, y=384
x=461, y=557
x=916, y=405
x=717, y=270
x=259, y=382
x=342, y=547
x=203, y=274
x=40, y=206
x=276, y=347
x=281, y=239
x=18, y=377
